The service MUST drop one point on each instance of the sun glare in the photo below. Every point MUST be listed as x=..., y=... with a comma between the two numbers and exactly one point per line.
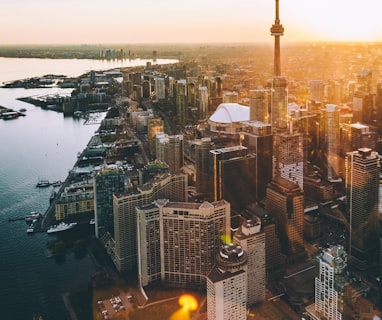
x=187, y=303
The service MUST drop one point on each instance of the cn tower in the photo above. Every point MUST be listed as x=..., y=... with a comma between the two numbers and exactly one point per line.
x=277, y=30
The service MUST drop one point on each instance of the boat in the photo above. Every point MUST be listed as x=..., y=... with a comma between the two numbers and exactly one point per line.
x=62, y=226
x=92, y=221
x=30, y=229
x=34, y=215
x=43, y=183
x=56, y=183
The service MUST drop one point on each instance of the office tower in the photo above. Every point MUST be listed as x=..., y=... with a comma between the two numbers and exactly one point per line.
x=181, y=102
x=136, y=78
x=202, y=167
x=316, y=90
x=330, y=142
x=203, y=102
x=149, y=243
x=362, y=168
x=364, y=80
x=335, y=91
x=160, y=88
x=259, y=105
x=154, y=126
x=146, y=89
x=107, y=182
x=331, y=288
x=251, y=238
x=191, y=93
x=258, y=138
x=277, y=30
x=357, y=135
x=227, y=285
x=232, y=171
x=172, y=187
x=231, y=97
x=279, y=103
x=363, y=107
x=188, y=237
x=286, y=201
x=288, y=156
x=170, y=149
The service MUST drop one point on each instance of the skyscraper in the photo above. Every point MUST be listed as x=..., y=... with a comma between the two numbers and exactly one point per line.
x=259, y=105
x=251, y=238
x=362, y=169
x=288, y=156
x=178, y=241
x=173, y=187
x=227, y=285
x=106, y=182
x=279, y=102
x=170, y=149
x=286, y=200
x=330, y=285
x=330, y=142
x=202, y=154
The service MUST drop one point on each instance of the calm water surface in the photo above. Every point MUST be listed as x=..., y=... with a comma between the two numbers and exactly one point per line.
x=43, y=144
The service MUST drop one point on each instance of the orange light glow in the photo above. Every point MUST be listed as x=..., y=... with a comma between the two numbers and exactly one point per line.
x=187, y=303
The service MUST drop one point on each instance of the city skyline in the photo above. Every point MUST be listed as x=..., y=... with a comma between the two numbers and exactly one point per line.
x=69, y=22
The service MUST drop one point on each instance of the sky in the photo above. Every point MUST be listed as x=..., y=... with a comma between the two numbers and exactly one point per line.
x=177, y=21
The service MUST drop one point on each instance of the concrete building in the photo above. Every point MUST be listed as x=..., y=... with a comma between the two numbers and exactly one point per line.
x=316, y=90
x=259, y=105
x=288, y=155
x=178, y=241
x=202, y=157
x=173, y=187
x=286, y=201
x=330, y=286
x=251, y=237
x=170, y=149
x=107, y=182
x=181, y=102
x=227, y=285
x=362, y=201
x=160, y=88
x=154, y=126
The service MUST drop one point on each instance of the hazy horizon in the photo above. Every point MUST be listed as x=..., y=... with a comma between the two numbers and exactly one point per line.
x=171, y=22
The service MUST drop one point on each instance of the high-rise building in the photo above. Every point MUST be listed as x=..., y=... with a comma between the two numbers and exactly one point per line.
x=232, y=172
x=279, y=102
x=288, y=157
x=203, y=102
x=107, y=182
x=357, y=135
x=154, y=126
x=316, y=90
x=259, y=105
x=188, y=237
x=258, y=138
x=251, y=238
x=181, y=101
x=362, y=168
x=170, y=149
x=202, y=167
x=330, y=285
x=160, y=88
x=330, y=142
x=227, y=285
x=286, y=200
x=172, y=187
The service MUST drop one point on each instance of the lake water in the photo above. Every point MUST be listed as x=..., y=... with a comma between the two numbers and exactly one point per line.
x=43, y=144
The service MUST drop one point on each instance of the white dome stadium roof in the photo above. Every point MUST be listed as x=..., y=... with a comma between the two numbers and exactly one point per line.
x=230, y=112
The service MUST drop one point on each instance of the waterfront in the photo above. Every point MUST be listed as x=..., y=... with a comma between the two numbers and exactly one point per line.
x=43, y=144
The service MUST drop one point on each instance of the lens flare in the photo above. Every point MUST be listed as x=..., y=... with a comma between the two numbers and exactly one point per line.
x=187, y=303
x=226, y=239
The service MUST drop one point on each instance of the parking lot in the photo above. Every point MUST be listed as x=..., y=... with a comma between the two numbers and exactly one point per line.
x=109, y=307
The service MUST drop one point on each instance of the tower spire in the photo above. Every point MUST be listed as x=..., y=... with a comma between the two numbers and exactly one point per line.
x=277, y=30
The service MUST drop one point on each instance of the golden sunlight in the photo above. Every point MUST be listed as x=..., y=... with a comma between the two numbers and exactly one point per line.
x=187, y=303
